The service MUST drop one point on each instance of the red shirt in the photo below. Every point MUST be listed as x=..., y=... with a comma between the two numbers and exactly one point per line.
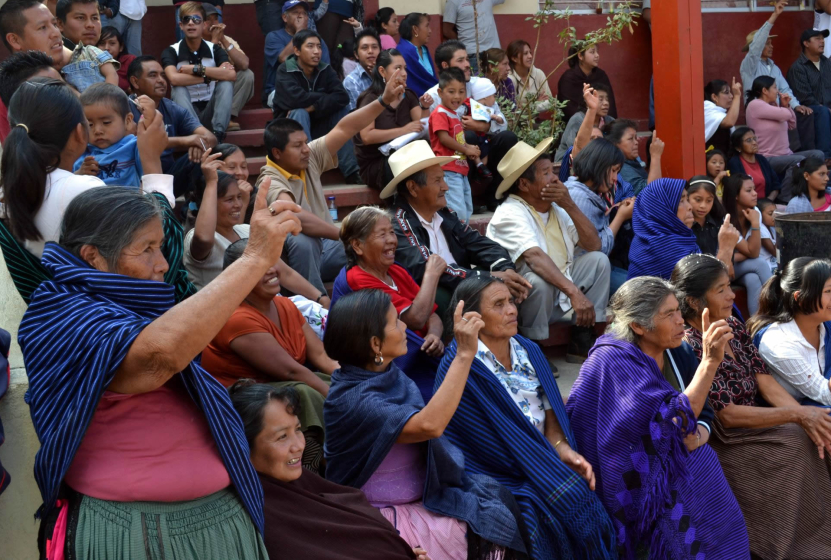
x=125, y=61
x=755, y=172
x=402, y=295
x=5, y=127
x=444, y=119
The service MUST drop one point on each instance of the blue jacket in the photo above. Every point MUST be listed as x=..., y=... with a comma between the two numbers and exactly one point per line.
x=418, y=79
x=772, y=182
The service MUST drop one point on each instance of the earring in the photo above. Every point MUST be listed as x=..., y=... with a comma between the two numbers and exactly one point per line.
x=379, y=359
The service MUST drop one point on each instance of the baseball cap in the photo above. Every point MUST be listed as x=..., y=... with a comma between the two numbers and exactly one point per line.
x=293, y=3
x=808, y=33
x=210, y=9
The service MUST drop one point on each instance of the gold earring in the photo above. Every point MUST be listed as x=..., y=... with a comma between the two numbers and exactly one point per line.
x=379, y=359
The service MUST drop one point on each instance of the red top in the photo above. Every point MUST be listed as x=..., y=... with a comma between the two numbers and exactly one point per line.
x=5, y=127
x=443, y=118
x=402, y=294
x=755, y=172
x=125, y=61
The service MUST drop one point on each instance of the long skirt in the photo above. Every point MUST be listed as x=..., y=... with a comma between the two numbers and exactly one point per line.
x=783, y=489
x=215, y=527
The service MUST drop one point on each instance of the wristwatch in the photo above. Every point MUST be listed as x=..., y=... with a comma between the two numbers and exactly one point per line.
x=196, y=70
x=230, y=47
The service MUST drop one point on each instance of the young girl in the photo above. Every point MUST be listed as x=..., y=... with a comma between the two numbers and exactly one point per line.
x=810, y=180
x=112, y=42
x=707, y=212
x=751, y=269
x=716, y=163
x=768, y=250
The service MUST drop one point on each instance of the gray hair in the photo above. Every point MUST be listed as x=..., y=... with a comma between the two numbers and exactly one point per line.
x=357, y=226
x=106, y=218
x=419, y=178
x=637, y=301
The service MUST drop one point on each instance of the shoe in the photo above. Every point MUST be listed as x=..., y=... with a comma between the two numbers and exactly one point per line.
x=484, y=172
x=582, y=340
x=354, y=179
x=232, y=126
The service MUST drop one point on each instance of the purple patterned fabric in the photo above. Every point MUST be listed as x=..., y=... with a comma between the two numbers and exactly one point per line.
x=630, y=425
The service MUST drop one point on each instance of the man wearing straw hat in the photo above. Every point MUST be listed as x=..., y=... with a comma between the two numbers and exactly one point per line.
x=540, y=226
x=425, y=225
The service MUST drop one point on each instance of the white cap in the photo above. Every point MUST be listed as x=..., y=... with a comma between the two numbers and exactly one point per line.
x=481, y=89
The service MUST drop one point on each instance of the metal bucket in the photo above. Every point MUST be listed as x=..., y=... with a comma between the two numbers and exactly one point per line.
x=803, y=235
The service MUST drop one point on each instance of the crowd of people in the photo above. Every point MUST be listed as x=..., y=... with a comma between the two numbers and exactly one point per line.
x=221, y=367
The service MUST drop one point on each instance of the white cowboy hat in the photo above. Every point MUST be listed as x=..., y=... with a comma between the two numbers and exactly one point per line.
x=516, y=161
x=410, y=159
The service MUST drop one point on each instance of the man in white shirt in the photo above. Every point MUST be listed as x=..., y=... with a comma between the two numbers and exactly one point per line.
x=460, y=24
x=540, y=226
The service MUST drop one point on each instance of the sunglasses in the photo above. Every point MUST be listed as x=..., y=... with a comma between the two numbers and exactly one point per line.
x=195, y=19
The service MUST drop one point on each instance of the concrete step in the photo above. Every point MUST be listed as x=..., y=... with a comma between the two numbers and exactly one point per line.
x=254, y=118
x=246, y=138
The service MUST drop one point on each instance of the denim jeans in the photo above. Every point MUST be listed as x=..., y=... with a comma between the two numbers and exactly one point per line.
x=130, y=30
x=316, y=259
x=82, y=74
x=822, y=127
x=458, y=196
x=217, y=112
x=317, y=128
x=752, y=274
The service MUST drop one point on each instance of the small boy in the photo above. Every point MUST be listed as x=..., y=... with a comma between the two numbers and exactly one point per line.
x=80, y=24
x=447, y=138
x=768, y=249
x=112, y=154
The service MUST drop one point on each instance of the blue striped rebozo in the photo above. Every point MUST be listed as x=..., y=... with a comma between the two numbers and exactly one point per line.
x=77, y=330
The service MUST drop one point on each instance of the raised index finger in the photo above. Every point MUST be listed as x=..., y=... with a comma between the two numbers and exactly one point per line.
x=261, y=201
x=705, y=320
x=457, y=314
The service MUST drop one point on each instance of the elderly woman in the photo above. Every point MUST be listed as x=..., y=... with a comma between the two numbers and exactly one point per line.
x=772, y=442
x=138, y=442
x=383, y=439
x=512, y=425
x=309, y=517
x=640, y=433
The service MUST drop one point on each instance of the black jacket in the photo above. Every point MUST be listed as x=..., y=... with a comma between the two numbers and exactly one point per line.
x=468, y=246
x=323, y=90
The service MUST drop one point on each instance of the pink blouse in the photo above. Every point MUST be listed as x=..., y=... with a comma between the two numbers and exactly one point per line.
x=771, y=124
x=387, y=42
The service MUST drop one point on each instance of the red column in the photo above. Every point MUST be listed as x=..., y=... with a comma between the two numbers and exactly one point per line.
x=678, y=71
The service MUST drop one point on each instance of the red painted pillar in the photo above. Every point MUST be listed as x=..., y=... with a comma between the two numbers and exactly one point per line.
x=677, y=65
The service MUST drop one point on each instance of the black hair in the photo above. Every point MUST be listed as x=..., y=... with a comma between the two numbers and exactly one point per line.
x=616, y=129
x=704, y=182
x=419, y=178
x=18, y=68
x=63, y=7
x=304, y=35
x=109, y=31
x=343, y=51
x=736, y=136
x=779, y=302
x=51, y=112
x=277, y=132
x=693, y=277
x=353, y=320
x=760, y=83
x=224, y=180
x=515, y=49
x=732, y=186
x=136, y=68
x=763, y=203
x=469, y=291
x=234, y=252
x=594, y=162
x=449, y=75
x=714, y=152
x=445, y=52
x=405, y=28
x=530, y=174
x=379, y=84
x=250, y=400
x=364, y=33
x=382, y=17
x=104, y=93
x=12, y=19
x=225, y=149
x=714, y=88
x=799, y=183
x=597, y=87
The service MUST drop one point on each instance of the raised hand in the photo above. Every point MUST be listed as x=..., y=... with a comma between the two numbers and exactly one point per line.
x=270, y=225
x=394, y=91
x=715, y=338
x=656, y=148
x=752, y=216
x=211, y=165
x=736, y=88
x=466, y=330
x=728, y=235
x=435, y=265
x=591, y=98
x=426, y=101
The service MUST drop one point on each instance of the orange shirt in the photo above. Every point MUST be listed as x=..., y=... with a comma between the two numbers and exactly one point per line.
x=228, y=367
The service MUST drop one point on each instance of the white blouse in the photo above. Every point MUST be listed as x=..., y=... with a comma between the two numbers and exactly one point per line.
x=794, y=363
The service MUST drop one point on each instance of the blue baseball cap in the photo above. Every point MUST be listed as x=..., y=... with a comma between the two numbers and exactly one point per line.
x=292, y=3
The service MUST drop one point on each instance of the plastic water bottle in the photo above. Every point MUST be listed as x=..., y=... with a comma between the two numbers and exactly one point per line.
x=333, y=209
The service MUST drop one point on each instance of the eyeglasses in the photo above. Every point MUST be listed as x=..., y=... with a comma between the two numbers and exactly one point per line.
x=195, y=19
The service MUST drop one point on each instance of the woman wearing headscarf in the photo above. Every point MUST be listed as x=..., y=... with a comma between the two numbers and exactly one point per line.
x=511, y=425
x=382, y=438
x=139, y=444
x=666, y=493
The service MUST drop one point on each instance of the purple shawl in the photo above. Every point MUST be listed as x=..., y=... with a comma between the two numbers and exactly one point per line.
x=630, y=425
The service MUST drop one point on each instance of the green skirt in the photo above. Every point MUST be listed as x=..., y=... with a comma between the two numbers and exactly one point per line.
x=215, y=527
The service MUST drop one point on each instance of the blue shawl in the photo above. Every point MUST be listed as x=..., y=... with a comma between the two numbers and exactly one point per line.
x=417, y=365
x=418, y=78
x=661, y=239
x=75, y=333
x=562, y=517
x=663, y=499
x=364, y=414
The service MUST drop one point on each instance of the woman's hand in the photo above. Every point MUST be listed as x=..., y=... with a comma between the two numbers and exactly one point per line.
x=699, y=438
x=656, y=148
x=466, y=330
x=414, y=126
x=784, y=100
x=435, y=266
x=752, y=216
x=720, y=177
x=211, y=165
x=420, y=553
x=591, y=98
x=816, y=422
x=425, y=101
x=626, y=208
x=353, y=22
x=736, y=88
x=270, y=225
x=433, y=346
x=576, y=462
x=728, y=235
x=395, y=89
x=715, y=338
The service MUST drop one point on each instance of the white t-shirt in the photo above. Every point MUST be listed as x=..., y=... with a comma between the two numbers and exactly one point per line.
x=822, y=21
x=203, y=272
x=713, y=115
x=764, y=253
x=133, y=9
x=763, y=231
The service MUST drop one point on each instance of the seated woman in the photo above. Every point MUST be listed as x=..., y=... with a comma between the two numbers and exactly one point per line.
x=722, y=103
x=623, y=133
x=771, y=123
x=150, y=446
x=383, y=439
x=751, y=269
x=233, y=162
x=391, y=124
x=640, y=432
x=748, y=161
x=601, y=119
x=512, y=425
x=497, y=67
x=415, y=34
x=592, y=190
x=583, y=69
x=761, y=432
x=792, y=329
x=530, y=83
x=810, y=187
x=306, y=516
x=708, y=213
